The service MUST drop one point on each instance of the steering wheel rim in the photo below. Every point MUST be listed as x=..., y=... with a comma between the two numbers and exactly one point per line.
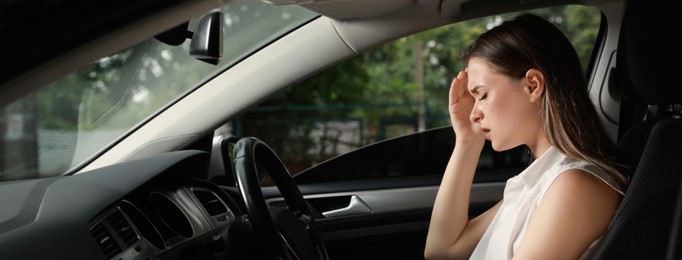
x=299, y=238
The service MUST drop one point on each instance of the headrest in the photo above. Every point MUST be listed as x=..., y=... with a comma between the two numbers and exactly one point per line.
x=649, y=61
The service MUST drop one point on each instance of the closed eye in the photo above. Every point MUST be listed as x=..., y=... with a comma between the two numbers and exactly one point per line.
x=483, y=96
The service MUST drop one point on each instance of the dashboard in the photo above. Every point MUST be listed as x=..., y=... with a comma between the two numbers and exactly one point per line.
x=153, y=208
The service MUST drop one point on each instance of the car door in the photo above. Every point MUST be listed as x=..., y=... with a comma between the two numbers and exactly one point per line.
x=376, y=202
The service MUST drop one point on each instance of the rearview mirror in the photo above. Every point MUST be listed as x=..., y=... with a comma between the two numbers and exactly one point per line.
x=207, y=39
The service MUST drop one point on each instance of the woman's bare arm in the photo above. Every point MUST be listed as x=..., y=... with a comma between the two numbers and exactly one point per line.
x=451, y=234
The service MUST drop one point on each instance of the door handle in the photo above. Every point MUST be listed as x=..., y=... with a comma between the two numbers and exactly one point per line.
x=355, y=206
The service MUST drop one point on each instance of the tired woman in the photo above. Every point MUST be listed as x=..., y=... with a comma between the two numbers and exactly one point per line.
x=523, y=85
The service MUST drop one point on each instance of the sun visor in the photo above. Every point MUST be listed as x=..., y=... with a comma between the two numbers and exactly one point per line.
x=349, y=9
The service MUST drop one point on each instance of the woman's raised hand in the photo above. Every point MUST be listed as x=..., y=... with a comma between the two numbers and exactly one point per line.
x=460, y=105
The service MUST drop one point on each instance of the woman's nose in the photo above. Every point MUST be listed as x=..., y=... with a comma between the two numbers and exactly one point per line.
x=475, y=115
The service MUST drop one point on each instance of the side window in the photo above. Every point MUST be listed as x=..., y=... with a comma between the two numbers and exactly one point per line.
x=385, y=94
x=418, y=154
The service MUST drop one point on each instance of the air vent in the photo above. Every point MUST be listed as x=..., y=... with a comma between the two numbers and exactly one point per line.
x=114, y=234
x=213, y=205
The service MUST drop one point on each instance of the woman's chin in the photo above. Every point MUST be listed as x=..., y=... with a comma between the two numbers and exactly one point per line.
x=500, y=147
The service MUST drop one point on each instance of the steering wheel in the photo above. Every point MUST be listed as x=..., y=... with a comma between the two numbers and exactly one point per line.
x=290, y=230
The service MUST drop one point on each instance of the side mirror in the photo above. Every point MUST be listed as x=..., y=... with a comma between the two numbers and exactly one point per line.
x=207, y=39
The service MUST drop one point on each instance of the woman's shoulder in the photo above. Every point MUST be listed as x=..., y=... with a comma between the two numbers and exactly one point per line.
x=591, y=171
x=578, y=186
x=578, y=206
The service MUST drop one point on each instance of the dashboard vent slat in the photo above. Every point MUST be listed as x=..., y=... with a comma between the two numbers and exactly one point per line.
x=105, y=241
x=114, y=234
x=123, y=228
x=213, y=205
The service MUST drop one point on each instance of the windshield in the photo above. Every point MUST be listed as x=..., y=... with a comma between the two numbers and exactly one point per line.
x=67, y=122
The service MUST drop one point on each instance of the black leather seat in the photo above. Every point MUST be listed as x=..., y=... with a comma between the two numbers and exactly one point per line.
x=648, y=69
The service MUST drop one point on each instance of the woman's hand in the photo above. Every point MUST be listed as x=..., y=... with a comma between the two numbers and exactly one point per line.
x=460, y=105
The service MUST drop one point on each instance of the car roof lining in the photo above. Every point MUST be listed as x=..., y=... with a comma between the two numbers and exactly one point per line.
x=343, y=10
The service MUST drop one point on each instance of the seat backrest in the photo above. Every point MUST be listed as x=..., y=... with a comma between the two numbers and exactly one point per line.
x=648, y=63
x=675, y=243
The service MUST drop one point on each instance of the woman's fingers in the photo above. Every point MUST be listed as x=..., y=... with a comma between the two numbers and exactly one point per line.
x=457, y=87
x=460, y=99
x=462, y=86
x=461, y=105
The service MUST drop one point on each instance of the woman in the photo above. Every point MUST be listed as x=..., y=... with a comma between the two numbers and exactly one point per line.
x=523, y=85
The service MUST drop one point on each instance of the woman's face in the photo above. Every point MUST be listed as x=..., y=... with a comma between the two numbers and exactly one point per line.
x=504, y=108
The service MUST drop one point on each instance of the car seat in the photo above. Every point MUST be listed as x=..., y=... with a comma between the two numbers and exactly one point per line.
x=647, y=67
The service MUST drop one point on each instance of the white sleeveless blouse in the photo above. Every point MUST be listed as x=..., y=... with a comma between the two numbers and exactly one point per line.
x=522, y=194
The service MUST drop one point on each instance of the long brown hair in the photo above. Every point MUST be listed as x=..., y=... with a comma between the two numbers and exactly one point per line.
x=569, y=116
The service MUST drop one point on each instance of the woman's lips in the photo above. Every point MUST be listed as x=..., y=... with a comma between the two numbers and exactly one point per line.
x=487, y=133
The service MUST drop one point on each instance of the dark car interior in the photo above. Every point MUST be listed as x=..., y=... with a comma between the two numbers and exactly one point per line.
x=211, y=201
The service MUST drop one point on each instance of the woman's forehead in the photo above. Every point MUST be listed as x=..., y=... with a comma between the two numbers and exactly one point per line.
x=481, y=73
x=479, y=69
